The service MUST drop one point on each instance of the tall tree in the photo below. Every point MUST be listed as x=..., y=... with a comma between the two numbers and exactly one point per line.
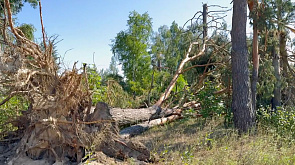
x=284, y=11
x=277, y=14
x=244, y=117
x=276, y=101
x=253, y=7
x=159, y=46
x=167, y=50
x=113, y=67
x=130, y=47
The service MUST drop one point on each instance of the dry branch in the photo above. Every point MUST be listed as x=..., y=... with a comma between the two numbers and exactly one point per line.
x=41, y=20
x=179, y=72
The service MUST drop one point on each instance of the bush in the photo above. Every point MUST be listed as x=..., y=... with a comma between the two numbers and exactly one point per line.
x=282, y=121
x=117, y=97
x=211, y=103
x=9, y=111
x=94, y=81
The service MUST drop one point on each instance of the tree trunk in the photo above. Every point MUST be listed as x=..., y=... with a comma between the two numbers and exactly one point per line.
x=151, y=88
x=283, y=53
x=276, y=101
x=255, y=67
x=255, y=57
x=142, y=127
x=244, y=117
x=133, y=116
x=205, y=27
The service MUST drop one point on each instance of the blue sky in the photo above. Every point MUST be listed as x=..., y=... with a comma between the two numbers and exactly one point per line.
x=87, y=27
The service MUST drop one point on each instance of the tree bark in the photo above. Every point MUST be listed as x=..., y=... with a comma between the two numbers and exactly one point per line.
x=276, y=101
x=255, y=57
x=133, y=116
x=142, y=127
x=255, y=68
x=127, y=117
x=244, y=117
x=283, y=53
x=205, y=28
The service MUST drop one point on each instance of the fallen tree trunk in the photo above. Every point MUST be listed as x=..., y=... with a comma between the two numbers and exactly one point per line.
x=126, y=117
x=131, y=116
x=142, y=127
x=134, y=116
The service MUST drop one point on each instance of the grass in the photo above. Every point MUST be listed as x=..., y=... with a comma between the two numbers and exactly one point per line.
x=194, y=141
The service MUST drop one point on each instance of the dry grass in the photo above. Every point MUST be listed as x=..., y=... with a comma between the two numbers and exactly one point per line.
x=194, y=142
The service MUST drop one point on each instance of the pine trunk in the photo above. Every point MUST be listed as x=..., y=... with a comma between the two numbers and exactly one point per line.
x=283, y=53
x=255, y=70
x=244, y=117
x=276, y=101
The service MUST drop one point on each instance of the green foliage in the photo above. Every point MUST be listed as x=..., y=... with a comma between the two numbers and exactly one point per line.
x=180, y=84
x=275, y=14
x=17, y=5
x=282, y=121
x=266, y=82
x=168, y=47
x=117, y=97
x=94, y=81
x=10, y=110
x=28, y=30
x=211, y=104
x=162, y=79
x=130, y=48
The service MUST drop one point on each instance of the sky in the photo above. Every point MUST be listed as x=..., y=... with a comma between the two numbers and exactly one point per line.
x=86, y=28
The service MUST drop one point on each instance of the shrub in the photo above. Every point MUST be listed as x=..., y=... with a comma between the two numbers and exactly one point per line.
x=282, y=121
x=94, y=81
x=9, y=111
x=211, y=103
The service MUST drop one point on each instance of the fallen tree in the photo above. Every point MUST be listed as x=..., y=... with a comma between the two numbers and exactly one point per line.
x=142, y=127
x=57, y=127
x=125, y=117
x=156, y=115
x=60, y=123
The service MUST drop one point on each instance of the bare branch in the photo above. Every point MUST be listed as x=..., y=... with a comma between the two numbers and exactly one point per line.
x=43, y=30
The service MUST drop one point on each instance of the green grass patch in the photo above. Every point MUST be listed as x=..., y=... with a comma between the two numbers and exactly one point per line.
x=194, y=141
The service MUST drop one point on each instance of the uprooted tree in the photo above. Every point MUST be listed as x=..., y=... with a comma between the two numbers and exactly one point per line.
x=58, y=123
